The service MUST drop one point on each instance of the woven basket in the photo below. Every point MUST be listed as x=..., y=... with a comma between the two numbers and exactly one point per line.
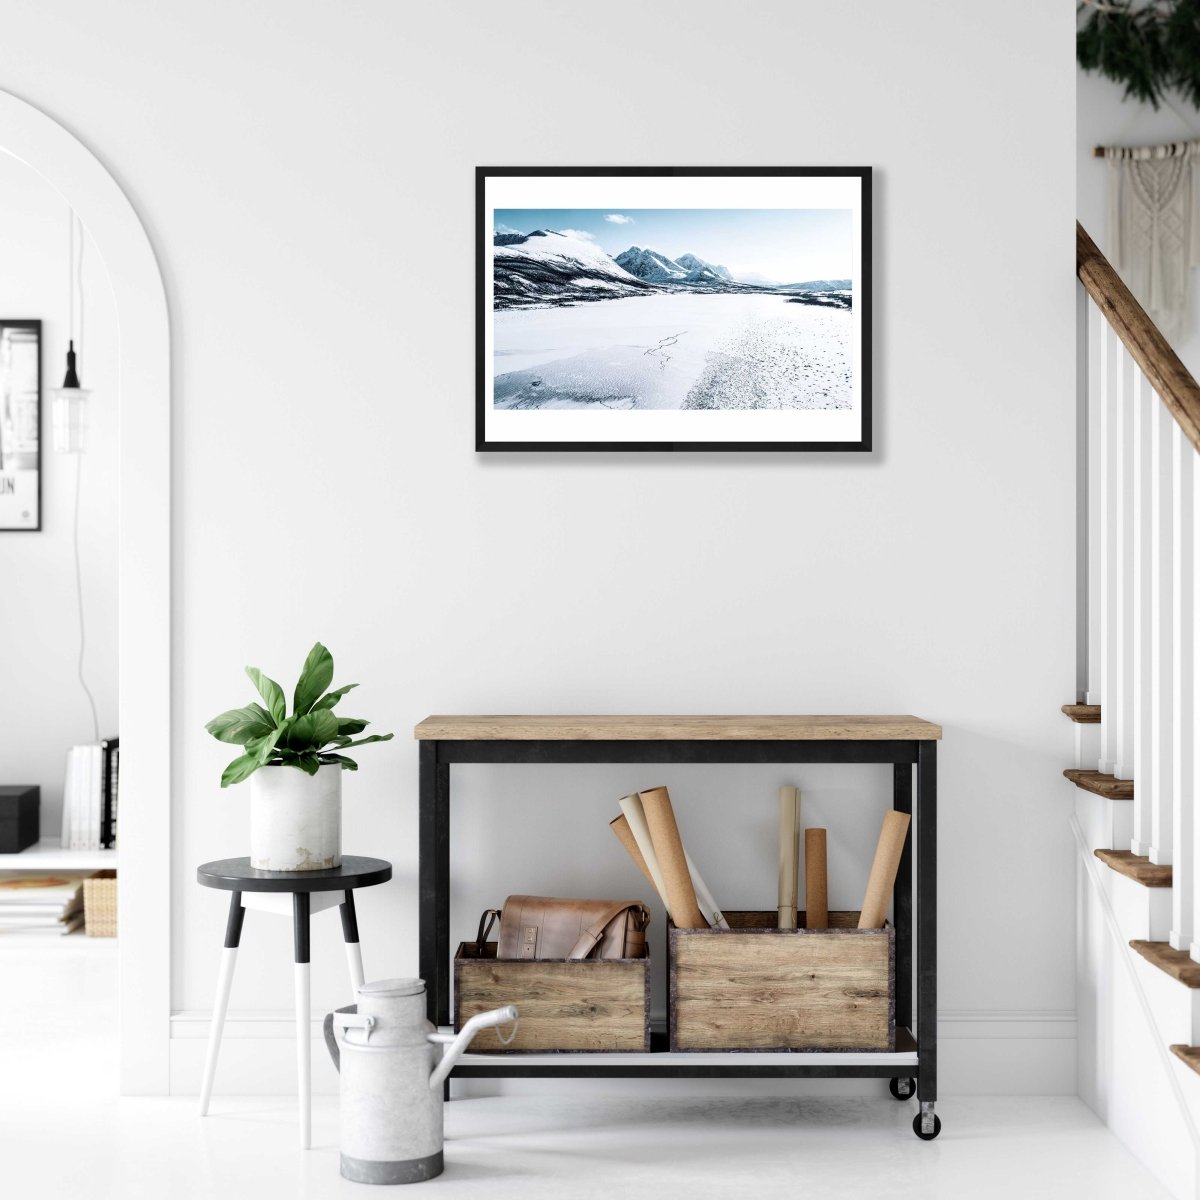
x=100, y=904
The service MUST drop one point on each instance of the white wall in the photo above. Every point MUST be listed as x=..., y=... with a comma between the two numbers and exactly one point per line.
x=306, y=173
x=1104, y=118
x=43, y=710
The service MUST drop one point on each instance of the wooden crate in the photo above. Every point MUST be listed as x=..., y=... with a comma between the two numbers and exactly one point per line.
x=593, y=1005
x=756, y=987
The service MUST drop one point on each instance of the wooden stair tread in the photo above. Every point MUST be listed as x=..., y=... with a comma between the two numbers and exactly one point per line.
x=1189, y=1055
x=1108, y=786
x=1136, y=867
x=1083, y=714
x=1176, y=963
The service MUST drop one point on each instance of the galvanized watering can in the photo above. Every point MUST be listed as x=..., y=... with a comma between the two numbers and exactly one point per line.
x=392, y=1066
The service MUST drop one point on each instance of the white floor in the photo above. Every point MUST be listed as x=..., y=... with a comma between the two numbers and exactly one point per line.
x=64, y=1136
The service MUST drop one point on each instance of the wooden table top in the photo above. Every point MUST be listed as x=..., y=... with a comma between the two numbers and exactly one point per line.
x=856, y=728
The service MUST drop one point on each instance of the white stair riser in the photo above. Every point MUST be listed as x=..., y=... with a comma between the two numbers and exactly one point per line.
x=1107, y=824
x=1143, y=914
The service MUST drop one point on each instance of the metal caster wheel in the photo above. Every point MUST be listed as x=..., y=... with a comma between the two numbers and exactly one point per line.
x=927, y=1137
x=902, y=1089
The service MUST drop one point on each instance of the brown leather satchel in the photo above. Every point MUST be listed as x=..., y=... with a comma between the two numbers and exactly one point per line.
x=542, y=927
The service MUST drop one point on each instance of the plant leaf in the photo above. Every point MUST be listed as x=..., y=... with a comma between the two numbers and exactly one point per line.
x=263, y=748
x=311, y=731
x=271, y=692
x=315, y=676
x=310, y=764
x=348, y=764
x=331, y=698
x=240, y=726
x=375, y=737
x=351, y=725
x=241, y=768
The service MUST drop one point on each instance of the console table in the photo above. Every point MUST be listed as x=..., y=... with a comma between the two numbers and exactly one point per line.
x=901, y=742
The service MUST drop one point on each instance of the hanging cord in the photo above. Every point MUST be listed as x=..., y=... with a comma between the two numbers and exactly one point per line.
x=75, y=275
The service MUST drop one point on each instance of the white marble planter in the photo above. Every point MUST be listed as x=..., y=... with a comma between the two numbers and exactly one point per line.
x=295, y=819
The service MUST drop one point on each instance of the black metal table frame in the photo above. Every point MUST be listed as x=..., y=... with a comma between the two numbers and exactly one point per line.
x=436, y=758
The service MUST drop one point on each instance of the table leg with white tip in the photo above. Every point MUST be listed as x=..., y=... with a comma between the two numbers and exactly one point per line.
x=300, y=911
x=353, y=946
x=233, y=935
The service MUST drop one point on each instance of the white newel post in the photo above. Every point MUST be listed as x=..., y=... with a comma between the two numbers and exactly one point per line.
x=1145, y=402
x=1160, y=760
x=1183, y=722
x=1109, y=551
x=1095, y=348
x=1126, y=410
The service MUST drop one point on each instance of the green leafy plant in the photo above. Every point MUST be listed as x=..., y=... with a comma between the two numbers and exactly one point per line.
x=310, y=738
x=1149, y=47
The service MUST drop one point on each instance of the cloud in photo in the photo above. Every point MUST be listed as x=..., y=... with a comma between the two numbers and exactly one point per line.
x=578, y=233
x=618, y=219
x=504, y=229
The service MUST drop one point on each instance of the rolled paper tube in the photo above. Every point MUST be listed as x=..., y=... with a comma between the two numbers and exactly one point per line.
x=816, y=880
x=789, y=853
x=672, y=862
x=883, y=870
x=635, y=818
x=704, y=898
x=620, y=826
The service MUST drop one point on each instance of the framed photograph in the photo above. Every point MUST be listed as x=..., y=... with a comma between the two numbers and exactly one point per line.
x=673, y=308
x=20, y=425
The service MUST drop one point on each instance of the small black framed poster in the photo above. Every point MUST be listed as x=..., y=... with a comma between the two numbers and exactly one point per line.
x=20, y=425
x=673, y=308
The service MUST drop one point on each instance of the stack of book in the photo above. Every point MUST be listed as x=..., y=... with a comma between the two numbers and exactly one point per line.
x=41, y=902
x=90, y=793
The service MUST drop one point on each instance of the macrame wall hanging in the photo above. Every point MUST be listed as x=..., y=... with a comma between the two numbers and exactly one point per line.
x=1154, y=225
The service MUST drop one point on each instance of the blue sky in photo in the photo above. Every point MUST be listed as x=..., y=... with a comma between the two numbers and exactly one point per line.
x=784, y=245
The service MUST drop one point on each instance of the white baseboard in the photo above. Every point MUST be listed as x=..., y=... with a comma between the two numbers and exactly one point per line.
x=1018, y=1052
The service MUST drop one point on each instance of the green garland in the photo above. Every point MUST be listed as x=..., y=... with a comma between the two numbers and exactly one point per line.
x=1150, y=48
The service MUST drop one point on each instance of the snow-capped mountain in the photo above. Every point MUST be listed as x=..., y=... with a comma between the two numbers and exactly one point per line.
x=691, y=263
x=651, y=266
x=546, y=267
x=818, y=285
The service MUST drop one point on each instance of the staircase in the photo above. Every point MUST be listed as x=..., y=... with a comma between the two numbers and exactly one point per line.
x=1135, y=722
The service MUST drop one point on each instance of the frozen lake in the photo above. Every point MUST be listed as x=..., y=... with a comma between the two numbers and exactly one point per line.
x=683, y=350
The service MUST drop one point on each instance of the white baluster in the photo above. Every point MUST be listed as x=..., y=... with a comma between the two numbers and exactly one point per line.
x=1159, y=760
x=1182, y=726
x=1145, y=406
x=1192, y=676
x=1095, y=345
x=1109, y=558
x=1125, y=410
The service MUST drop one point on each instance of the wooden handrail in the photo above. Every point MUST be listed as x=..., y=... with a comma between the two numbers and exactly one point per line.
x=1173, y=382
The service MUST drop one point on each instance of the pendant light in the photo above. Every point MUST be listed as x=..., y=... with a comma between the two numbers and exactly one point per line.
x=70, y=402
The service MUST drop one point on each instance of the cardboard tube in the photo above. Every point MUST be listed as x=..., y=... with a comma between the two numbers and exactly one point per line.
x=883, y=870
x=635, y=818
x=620, y=826
x=668, y=848
x=816, y=880
x=789, y=854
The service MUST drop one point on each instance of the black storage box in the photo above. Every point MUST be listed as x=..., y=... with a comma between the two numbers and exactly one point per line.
x=19, y=816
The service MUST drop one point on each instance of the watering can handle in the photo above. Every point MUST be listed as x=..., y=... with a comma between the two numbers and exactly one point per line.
x=343, y=1017
x=331, y=1042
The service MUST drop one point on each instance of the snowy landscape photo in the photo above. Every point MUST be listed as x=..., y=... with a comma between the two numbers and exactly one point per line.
x=695, y=321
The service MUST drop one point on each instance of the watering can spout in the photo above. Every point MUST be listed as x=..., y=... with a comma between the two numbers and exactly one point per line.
x=454, y=1051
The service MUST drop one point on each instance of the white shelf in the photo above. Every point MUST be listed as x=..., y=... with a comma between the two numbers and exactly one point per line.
x=61, y=941
x=48, y=855
x=729, y=1058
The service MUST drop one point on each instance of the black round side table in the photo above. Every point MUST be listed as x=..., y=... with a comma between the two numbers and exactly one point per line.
x=310, y=891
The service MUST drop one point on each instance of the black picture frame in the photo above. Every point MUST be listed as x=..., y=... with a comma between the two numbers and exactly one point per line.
x=15, y=458
x=862, y=300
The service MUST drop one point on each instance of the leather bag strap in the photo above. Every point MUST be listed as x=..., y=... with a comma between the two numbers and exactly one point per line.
x=485, y=927
x=594, y=932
